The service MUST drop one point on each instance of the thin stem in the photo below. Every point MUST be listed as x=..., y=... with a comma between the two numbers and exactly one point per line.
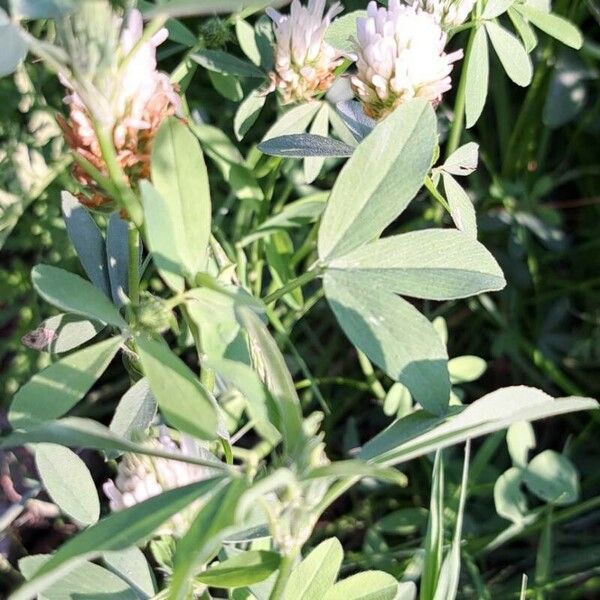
x=285, y=570
x=133, y=263
x=436, y=194
x=293, y=284
x=372, y=381
x=460, y=102
x=544, y=557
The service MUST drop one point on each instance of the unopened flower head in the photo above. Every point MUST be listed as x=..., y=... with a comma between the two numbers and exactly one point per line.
x=400, y=55
x=448, y=13
x=127, y=97
x=304, y=61
x=140, y=477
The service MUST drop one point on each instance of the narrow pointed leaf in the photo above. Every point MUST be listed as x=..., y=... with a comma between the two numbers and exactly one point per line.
x=478, y=68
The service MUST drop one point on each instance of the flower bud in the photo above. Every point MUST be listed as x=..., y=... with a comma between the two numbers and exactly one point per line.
x=400, y=55
x=304, y=61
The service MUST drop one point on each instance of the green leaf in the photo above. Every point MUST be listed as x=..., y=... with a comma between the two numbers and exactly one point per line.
x=478, y=68
x=227, y=85
x=247, y=38
x=512, y=54
x=87, y=240
x=397, y=156
x=14, y=46
x=436, y=264
x=62, y=333
x=434, y=538
x=132, y=566
x=84, y=582
x=293, y=215
x=73, y=294
x=68, y=482
x=461, y=206
x=319, y=127
x=525, y=31
x=260, y=405
x=135, y=410
x=463, y=161
x=520, y=439
x=117, y=254
x=55, y=390
x=374, y=319
x=162, y=225
x=305, y=145
x=240, y=570
x=269, y=361
x=179, y=175
x=116, y=532
x=369, y=585
x=295, y=120
x=419, y=433
x=447, y=585
x=247, y=113
x=183, y=400
x=404, y=521
x=188, y=8
x=316, y=574
x=464, y=369
x=495, y=8
x=553, y=25
x=85, y=433
x=509, y=499
x=553, y=478
x=227, y=64
x=342, y=30
x=204, y=536
x=40, y=9
x=357, y=468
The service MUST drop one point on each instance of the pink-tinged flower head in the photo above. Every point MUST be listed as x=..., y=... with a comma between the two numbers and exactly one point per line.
x=304, y=61
x=140, y=477
x=133, y=105
x=400, y=55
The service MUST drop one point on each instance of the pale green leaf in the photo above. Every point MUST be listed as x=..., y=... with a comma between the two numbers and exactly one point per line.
x=478, y=68
x=14, y=46
x=118, y=531
x=495, y=8
x=436, y=264
x=553, y=25
x=520, y=439
x=240, y=570
x=524, y=29
x=316, y=574
x=180, y=176
x=135, y=410
x=462, y=210
x=131, y=565
x=55, y=390
x=397, y=156
x=375, y=319
x=342, y=30
x=68, y=482
x=62, y=333
x=320, y=126
x=182, y=399
x=512, y=54
x=73, y=294
x=553, y=478
x=295, y=120
x=368, y=585
x=509, y=499
x=227, y=64
x=463, y=161
x=247, y=113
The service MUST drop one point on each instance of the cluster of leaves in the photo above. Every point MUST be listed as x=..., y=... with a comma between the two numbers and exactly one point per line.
x=216, y=237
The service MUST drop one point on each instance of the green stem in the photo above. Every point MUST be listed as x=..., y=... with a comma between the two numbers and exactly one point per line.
x=133, y=237
x=372, y=381
x=435, y=193
x=126, y=196
x=293, y=284
x=285, y=570
x=544, y=557
x=461, y=99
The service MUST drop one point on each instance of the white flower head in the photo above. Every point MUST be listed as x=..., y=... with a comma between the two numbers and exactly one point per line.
x=400, y=55
x=140, y=477
x=304, y=61
x=448, y=13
